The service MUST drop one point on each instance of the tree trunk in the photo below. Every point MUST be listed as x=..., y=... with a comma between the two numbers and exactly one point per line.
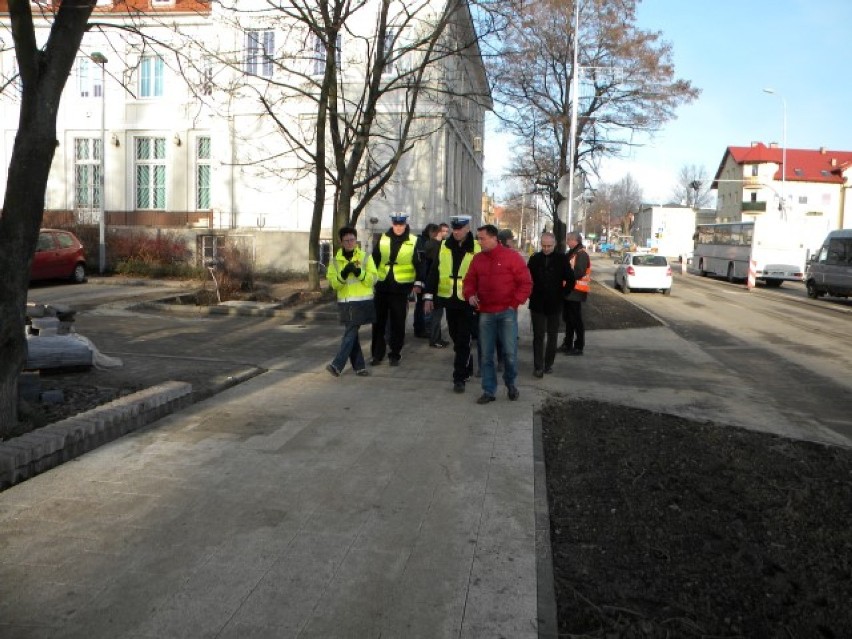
x=43, y=75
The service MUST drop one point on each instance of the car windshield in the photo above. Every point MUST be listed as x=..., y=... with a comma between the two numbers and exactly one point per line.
x=649, y=260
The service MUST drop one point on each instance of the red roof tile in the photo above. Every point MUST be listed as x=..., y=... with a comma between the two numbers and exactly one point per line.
x=803, y=165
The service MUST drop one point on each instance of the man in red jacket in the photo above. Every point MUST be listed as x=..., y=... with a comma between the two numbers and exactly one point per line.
x=497, y=283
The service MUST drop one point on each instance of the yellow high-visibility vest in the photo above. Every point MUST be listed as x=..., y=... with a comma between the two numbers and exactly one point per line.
x=403, y=267
x=445, y=271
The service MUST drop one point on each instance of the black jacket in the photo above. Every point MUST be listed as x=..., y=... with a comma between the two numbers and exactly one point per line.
x=549, y=272
x=580, y=265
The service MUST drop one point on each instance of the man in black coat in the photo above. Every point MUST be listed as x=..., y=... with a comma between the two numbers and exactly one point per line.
x=552, y=277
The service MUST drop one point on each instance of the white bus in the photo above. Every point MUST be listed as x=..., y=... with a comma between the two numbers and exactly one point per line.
x=726, y=250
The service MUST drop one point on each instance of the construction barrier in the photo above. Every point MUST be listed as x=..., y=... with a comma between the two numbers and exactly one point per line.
x=752, y=274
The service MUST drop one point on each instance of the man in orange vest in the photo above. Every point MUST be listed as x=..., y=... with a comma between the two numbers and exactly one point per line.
x=575, y=332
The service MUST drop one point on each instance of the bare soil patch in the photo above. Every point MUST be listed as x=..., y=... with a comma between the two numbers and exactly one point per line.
x=665, y=527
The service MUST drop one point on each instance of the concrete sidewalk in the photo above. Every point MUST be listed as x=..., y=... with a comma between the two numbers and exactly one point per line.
x=294, y=504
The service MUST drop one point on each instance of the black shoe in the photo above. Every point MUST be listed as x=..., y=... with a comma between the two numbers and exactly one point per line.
x=564, y=348
x=575, y=351
x=538, y=373
x=393, y=362
x=440, y=344
x=458, y=387
x=513, y=393
x=362, y=372
x=375, y=361
x=548, y=370
x=485, y=398
x=331, y=369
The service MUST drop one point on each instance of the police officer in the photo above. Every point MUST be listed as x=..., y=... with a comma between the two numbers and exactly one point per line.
x=397, y=263
x=444, y=288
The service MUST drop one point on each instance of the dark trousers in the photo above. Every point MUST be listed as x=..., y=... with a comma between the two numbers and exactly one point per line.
x=434, y=324
x=461, y=324
x=575, y=332
x=421, y=320
x=545, y=335
x=390, y=316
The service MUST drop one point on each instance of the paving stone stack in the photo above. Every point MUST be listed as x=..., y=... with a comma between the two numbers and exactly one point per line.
x=51, y=342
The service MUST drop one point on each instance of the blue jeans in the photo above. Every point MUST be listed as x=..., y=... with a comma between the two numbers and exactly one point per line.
x=502, y=326
x=350, y=348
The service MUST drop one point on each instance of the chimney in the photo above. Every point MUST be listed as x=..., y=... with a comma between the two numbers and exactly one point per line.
x=754, y=144
x=833, y=161
x=773, y=145
x=822, y=150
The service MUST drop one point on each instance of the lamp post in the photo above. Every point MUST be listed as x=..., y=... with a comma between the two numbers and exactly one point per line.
x=783, y=149
x=100, y=59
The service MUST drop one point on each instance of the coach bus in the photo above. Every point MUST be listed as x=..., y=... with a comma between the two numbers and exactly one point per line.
x=727, y=250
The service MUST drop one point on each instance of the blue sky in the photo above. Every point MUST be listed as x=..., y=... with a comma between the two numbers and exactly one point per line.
x=731, y=50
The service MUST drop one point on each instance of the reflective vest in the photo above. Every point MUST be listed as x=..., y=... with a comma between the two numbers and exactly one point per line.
x=352, y=289
x=403, y=267
x=446, y=282
x=583, y=284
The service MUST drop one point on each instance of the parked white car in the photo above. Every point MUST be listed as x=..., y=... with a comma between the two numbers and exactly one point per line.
x=643, y=271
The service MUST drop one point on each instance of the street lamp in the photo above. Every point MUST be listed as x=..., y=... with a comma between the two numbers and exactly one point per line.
x=100, y=59
x=783, y=150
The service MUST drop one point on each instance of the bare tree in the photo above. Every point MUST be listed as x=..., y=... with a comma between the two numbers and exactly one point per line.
x=693, y=187
x=626, y=81
x=614, y=207
x=377, y=76
x=43, y=71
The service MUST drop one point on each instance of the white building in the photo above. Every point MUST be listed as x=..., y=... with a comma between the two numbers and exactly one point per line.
x=190, y=146
x=814, y=187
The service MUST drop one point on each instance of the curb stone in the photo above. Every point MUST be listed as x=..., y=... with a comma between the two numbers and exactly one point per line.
x=40, y=450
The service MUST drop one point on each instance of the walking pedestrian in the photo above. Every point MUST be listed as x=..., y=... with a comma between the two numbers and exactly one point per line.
x=551, y=274
x=397, y=264
x=496, y=284
x=421, y=319
x=436, y=338
x=444, y=290
x=575, y=331
x=352, y=274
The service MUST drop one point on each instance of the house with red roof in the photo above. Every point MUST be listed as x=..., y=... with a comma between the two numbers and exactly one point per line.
x=809, y=187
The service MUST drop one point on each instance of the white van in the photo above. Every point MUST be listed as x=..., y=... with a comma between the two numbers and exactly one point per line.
x=830, y=271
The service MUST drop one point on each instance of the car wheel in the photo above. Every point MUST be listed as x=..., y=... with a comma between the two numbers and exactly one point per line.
x=615, y=282
x=773, y=283
x=813, y=293
x=625, y=287
x=667, y=291
x=78, y=276
x=701, y=269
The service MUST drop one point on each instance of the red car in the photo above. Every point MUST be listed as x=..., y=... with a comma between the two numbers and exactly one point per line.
x=59, y=255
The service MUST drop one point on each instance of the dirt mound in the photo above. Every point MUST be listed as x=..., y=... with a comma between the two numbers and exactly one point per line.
x=664, y=527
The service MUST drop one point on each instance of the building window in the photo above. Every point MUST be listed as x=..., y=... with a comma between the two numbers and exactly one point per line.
x=319, y=54
x=150, y=173
x=754, y=170
x=754, y=197
x=202, y=173
x=87, y=173
x=803, y=199
x=88, y=78
x=151, y=77
x=260, y=51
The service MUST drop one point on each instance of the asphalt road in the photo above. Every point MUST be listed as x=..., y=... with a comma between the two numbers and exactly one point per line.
x=790, y=355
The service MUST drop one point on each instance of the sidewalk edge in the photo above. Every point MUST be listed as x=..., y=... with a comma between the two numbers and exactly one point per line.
x=548, y=627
